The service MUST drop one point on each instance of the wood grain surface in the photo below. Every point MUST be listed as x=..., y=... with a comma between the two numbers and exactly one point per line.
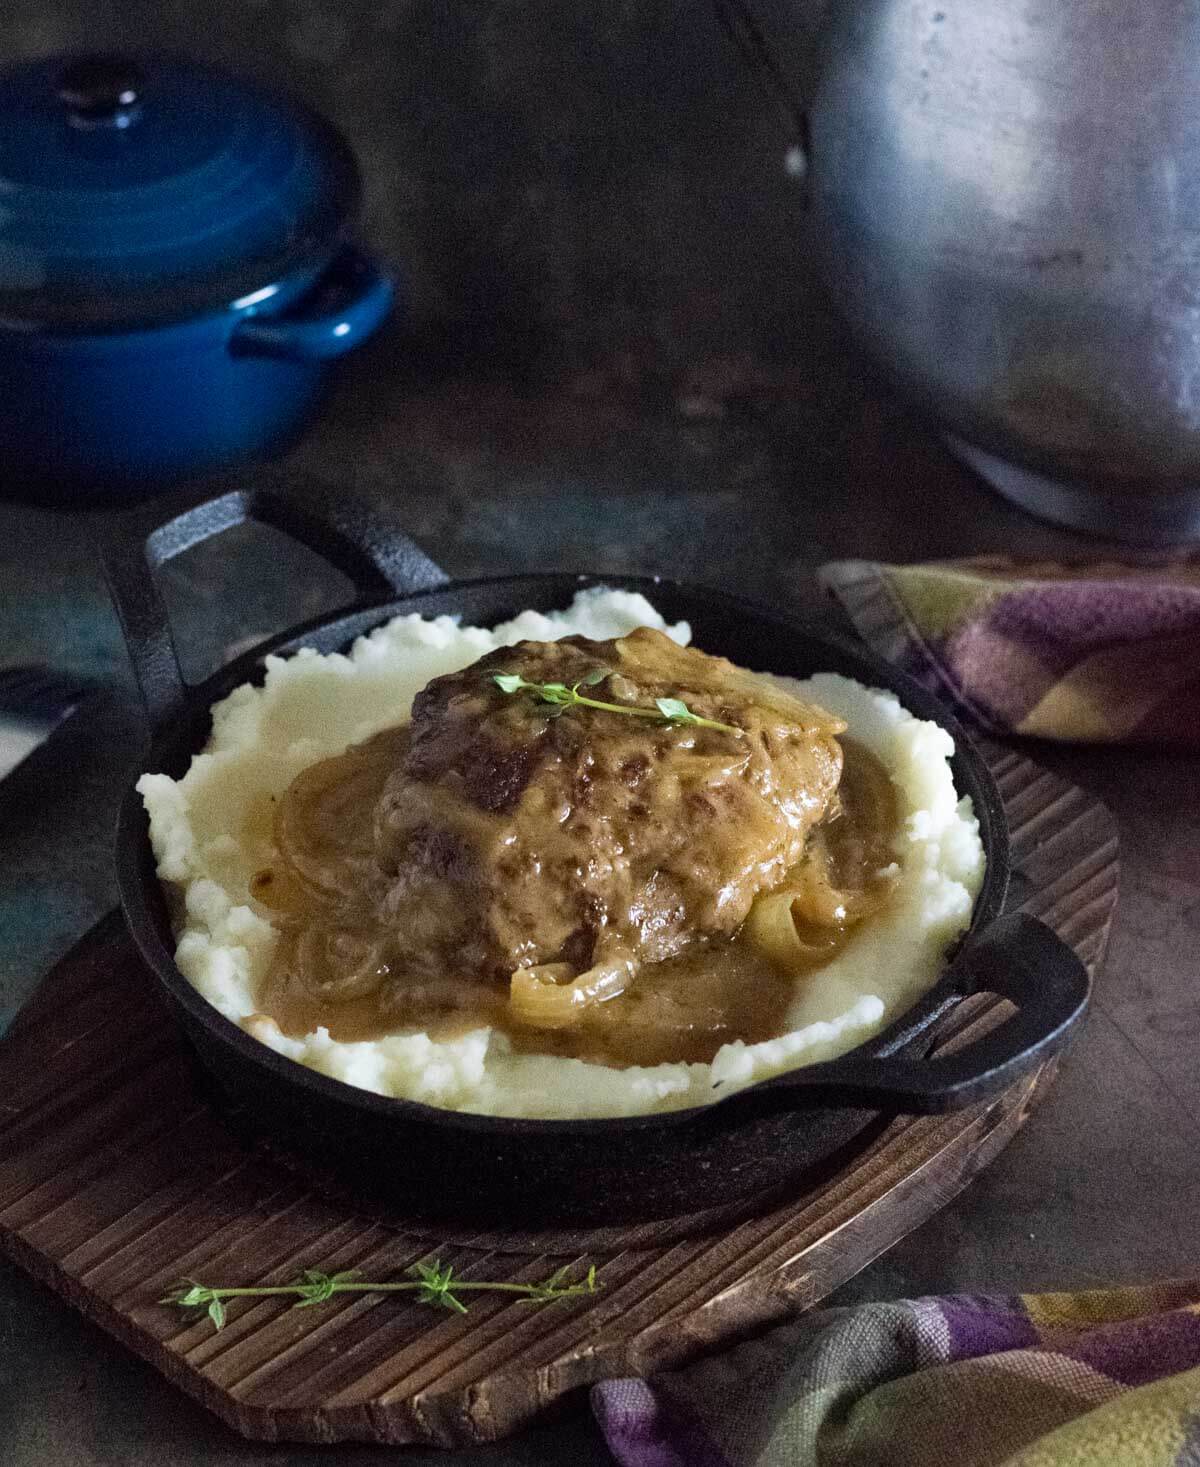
x=117, y=1179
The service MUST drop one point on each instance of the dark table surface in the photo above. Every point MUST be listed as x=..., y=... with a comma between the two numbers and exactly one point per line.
x=612, y=358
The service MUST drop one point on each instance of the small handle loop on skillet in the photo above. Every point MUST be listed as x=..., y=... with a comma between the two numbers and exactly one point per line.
x=1015, y=956
x=361, y=541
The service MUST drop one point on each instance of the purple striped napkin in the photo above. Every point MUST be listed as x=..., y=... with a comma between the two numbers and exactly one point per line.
x=1104, y=652
x=1109, y=1378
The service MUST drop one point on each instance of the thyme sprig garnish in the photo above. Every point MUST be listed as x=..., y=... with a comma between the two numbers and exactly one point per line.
x=430, y=1282
x=561, y=697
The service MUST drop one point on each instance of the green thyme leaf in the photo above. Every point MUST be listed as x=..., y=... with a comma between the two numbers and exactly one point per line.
x=314, y=1288
x=675, y=710
x=436, y=1287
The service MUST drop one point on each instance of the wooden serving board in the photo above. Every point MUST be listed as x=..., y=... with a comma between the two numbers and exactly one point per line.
x=117, y=1179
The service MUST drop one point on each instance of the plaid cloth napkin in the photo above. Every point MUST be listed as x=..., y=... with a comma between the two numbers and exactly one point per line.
x=1109, y=1378
x=1097, y=653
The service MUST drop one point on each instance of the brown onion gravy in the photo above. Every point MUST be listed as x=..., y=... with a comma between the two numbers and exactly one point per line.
x=331, y=967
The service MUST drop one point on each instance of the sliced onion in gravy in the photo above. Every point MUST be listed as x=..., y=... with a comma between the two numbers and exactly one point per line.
x=547, y=998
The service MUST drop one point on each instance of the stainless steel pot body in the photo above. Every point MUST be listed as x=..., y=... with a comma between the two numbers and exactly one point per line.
x=1007, y=202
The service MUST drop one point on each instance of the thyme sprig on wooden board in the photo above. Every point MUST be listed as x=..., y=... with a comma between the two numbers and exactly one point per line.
x=429, y=1282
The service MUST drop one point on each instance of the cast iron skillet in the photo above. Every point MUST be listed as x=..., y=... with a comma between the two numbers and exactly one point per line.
x=527, y=1172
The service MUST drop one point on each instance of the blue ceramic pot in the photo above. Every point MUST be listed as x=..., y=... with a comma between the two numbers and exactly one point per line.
x=177, y=273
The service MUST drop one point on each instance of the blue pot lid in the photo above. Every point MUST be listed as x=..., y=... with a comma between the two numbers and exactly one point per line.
x=138, y=189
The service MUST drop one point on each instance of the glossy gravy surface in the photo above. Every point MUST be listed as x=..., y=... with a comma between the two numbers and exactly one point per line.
x=333, y=967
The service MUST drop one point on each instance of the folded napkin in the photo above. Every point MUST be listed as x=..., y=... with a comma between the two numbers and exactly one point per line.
x=1096, y=653
x=1109, y=1378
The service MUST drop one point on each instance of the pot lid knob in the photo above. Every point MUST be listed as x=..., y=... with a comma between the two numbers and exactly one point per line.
x=100, y=91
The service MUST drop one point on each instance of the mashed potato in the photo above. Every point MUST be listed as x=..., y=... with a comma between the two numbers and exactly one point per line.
x=211, y=830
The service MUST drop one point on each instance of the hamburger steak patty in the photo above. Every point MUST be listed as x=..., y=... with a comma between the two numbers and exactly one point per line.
x=510, y=837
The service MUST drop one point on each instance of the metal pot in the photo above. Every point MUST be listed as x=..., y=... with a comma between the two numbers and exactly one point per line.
x=1006, y=201
x=176, y=272
x=412, y=1156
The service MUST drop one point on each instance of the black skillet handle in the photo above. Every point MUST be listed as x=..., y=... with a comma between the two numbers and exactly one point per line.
x=359, y=540
x=1015, y=956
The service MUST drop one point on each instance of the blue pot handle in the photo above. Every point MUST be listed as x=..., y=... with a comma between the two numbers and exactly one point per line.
x=346, y=306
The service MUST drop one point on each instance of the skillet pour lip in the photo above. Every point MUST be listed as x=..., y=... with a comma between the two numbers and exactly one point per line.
x=143, y=900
